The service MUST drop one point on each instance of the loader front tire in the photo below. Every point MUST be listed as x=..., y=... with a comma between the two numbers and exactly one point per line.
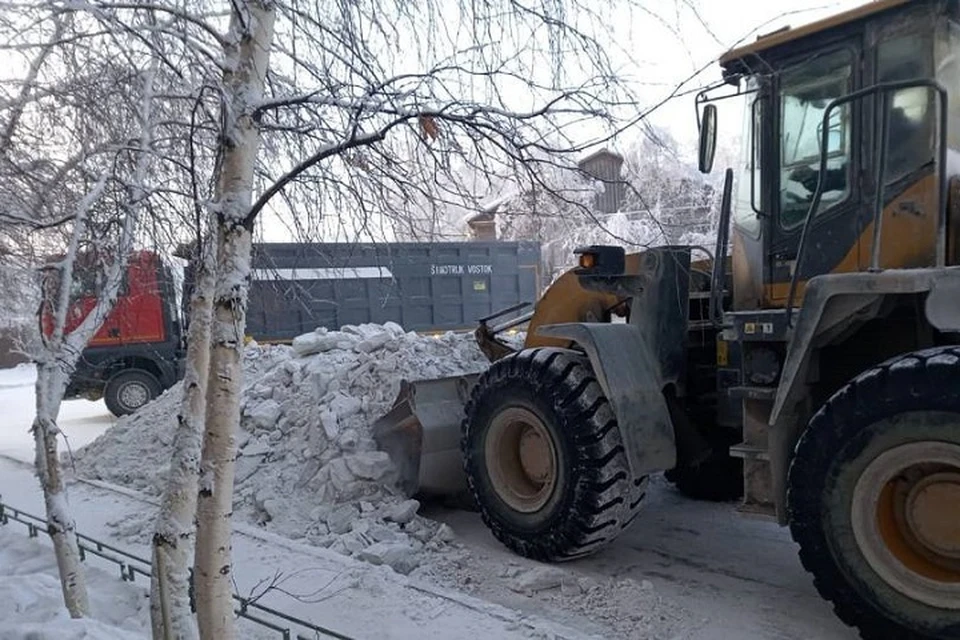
x=544, y=459
x=874, y=498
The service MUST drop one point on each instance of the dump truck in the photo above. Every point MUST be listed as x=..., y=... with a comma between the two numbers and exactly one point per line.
x=810, y=367
x=294, y=288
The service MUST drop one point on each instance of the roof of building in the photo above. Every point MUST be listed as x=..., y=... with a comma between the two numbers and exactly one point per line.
x=600, y=152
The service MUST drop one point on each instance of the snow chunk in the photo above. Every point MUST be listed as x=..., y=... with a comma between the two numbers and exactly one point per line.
x=331, y=428
x=404, y=512
x=256, y=448
x=538, y=579
x=341, y=520
x=402, y=558
x=370, y=465
x=265, y=414
x=374, y=342
x=445, y=534
x=321, y=340
x=394, y=329
x=343, y=406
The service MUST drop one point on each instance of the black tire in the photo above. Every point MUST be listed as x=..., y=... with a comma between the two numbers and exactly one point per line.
x=593, y=497
x=872, y=415
x=129, y=390
x=719, y=478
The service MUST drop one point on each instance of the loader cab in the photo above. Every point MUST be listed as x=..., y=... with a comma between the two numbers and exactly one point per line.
x=850, y=140
x=788, y=81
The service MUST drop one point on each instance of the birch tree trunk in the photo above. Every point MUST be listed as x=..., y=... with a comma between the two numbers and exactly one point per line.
x=51, y=383
x=170, y=612
x=246, y=60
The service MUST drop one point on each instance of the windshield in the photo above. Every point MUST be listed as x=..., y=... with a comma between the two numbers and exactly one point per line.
x=805, y=93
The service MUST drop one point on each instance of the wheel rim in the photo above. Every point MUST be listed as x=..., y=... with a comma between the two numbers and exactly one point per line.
x=521, y=459
x=134, y=395
x=905, y=520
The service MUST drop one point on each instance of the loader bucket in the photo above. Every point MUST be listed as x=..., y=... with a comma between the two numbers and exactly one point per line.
x=421, y=433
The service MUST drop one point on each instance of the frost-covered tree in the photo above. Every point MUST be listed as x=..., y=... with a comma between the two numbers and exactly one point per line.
x=666, y=200
x=90, y=167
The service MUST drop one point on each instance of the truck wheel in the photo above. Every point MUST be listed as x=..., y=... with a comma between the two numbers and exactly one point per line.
x=543, y=457
x=874, y=498
x=129, y=390
x=718, y=478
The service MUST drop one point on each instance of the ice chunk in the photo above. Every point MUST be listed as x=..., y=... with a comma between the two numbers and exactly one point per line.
x=401, y=557
x=369, y=465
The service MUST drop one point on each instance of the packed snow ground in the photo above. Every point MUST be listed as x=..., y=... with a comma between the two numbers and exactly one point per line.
x=81, y=420
x=350, y=597
x=308, y=471
x=31, y=603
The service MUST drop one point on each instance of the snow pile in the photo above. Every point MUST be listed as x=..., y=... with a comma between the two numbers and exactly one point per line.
x=307, y=465
x=31, y=602
x=135, y=452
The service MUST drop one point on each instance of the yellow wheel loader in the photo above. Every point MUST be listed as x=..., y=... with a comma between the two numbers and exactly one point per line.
x=814, y=372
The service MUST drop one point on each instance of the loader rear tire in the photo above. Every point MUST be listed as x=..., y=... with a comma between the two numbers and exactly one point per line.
x=873, y=495
x=544, y=459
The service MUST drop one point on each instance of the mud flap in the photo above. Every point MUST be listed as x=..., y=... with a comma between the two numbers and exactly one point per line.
x=628, y=370
x=421, y=433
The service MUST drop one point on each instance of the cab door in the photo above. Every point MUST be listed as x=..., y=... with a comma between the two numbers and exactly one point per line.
x=803, y=90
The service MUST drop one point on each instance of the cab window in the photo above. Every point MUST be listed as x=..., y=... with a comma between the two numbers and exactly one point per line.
x=910, y=111
x=948, y=73
x=748, y=177
x=805, y=93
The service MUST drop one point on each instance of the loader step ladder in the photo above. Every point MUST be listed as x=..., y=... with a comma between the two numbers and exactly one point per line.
x=764, y=326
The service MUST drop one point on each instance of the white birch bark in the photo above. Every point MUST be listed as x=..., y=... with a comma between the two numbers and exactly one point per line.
x=170, y=612
x=246, y=60
x=51, y=383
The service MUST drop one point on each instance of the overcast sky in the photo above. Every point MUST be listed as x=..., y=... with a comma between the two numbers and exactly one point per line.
x=663, y=59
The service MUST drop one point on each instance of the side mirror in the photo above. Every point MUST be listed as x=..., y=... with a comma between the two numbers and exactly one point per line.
x=708, y=138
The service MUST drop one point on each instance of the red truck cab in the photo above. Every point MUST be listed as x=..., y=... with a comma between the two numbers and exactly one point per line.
x=137, y=352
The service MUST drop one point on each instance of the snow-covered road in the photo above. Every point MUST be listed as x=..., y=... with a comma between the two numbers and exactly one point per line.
x=685, y=569
x=81, y=421
x=739, y=578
